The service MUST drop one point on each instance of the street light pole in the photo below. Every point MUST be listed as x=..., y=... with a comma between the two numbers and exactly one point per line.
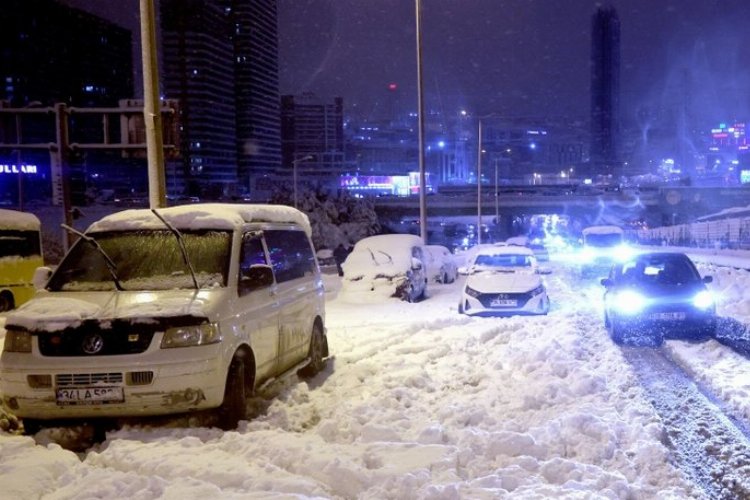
x=420, y=99
x=294, y=174
x=157, y=194
x=497, y=208
x=479, y=185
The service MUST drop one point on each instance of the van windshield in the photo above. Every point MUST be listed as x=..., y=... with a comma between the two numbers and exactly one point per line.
x=603, y=239
x=145, y=260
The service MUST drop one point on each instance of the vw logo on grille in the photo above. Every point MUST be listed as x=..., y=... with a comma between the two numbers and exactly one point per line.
x=92, y=343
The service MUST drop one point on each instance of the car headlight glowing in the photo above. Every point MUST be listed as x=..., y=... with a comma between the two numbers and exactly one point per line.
x=623, y=253
x=17, y=341
x=192, y=335
x=472, y=293
x=703, y=300
x=629, y=302
x=586, y=255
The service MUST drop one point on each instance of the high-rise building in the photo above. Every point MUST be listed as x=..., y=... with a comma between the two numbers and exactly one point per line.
x=314, y=129
x=257, y=88
x=605, y=91
x=198, y=70
x=54, y=53
x=220, y=60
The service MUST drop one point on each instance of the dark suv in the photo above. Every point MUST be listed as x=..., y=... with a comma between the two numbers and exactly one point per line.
x=656, y=295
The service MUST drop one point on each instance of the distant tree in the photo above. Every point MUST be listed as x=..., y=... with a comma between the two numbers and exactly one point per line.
x=335, y=217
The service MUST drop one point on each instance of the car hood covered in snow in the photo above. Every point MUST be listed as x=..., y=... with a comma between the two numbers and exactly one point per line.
x=503, y=281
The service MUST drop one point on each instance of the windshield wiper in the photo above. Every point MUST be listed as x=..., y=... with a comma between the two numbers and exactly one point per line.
x=111, y=267
x=181, y=243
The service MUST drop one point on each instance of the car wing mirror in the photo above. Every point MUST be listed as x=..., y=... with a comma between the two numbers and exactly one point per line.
x=257, y=277
x=708, y=279
x=606, y=282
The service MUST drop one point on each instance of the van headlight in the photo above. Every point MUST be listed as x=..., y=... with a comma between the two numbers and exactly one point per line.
x=623, y=253
x=192, y=335
x=17, y=341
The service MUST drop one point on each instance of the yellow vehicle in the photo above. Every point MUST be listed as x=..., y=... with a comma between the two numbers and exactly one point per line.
x=20, y=256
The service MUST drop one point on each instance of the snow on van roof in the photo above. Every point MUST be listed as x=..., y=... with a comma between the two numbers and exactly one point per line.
x=13, y=219
x=602, y=230
x=201, y=216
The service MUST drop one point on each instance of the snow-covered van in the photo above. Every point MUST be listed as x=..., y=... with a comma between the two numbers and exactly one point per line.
x=168, y=311
x=20, y=256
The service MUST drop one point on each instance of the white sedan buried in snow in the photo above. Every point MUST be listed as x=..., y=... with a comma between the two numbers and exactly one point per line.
x=504, y=280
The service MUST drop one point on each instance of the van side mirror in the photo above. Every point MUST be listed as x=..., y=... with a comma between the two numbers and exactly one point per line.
x=708, y=279
x=41, y=277
x=257, y=277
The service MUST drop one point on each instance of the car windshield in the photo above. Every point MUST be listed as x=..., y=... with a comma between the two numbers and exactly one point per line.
x=145, y=260
x=503, y=260
x=659, y=270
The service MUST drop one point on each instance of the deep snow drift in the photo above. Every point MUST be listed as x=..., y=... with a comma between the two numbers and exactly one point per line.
x=419, y=402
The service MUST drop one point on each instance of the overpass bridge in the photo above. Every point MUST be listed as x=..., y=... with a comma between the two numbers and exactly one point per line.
x=660, y=206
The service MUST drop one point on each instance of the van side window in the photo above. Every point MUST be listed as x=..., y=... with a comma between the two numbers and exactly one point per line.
x=252, y=252
x=291, y=254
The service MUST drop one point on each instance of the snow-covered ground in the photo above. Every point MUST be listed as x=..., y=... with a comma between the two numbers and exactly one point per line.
x=418, y=401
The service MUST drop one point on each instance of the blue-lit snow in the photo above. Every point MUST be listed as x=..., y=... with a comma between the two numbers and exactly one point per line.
x=421, y=402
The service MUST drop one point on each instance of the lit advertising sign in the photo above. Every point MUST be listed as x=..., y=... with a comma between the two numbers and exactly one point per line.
x=745, y=176
x=6, y=169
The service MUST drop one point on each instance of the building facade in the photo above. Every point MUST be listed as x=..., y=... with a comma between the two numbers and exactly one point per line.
x=312, y=134
x=53, y=53
x=220, y=60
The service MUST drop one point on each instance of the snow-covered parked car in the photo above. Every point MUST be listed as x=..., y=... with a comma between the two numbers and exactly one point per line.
x=169, y=311
x=504, y=279
x=386, y=265
x=441, y=265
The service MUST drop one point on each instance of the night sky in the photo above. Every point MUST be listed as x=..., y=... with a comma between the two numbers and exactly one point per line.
x=515, y=57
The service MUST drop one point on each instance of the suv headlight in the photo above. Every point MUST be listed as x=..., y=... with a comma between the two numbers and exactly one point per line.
x=192, y=335
x=17, y=341
x=472, y=293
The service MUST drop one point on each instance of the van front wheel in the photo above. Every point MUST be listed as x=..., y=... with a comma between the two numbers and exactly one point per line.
x=234, y=407
x=317, y=347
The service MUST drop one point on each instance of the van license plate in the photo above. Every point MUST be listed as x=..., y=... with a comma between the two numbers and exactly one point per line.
x=504, y=303
x=90, y=395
